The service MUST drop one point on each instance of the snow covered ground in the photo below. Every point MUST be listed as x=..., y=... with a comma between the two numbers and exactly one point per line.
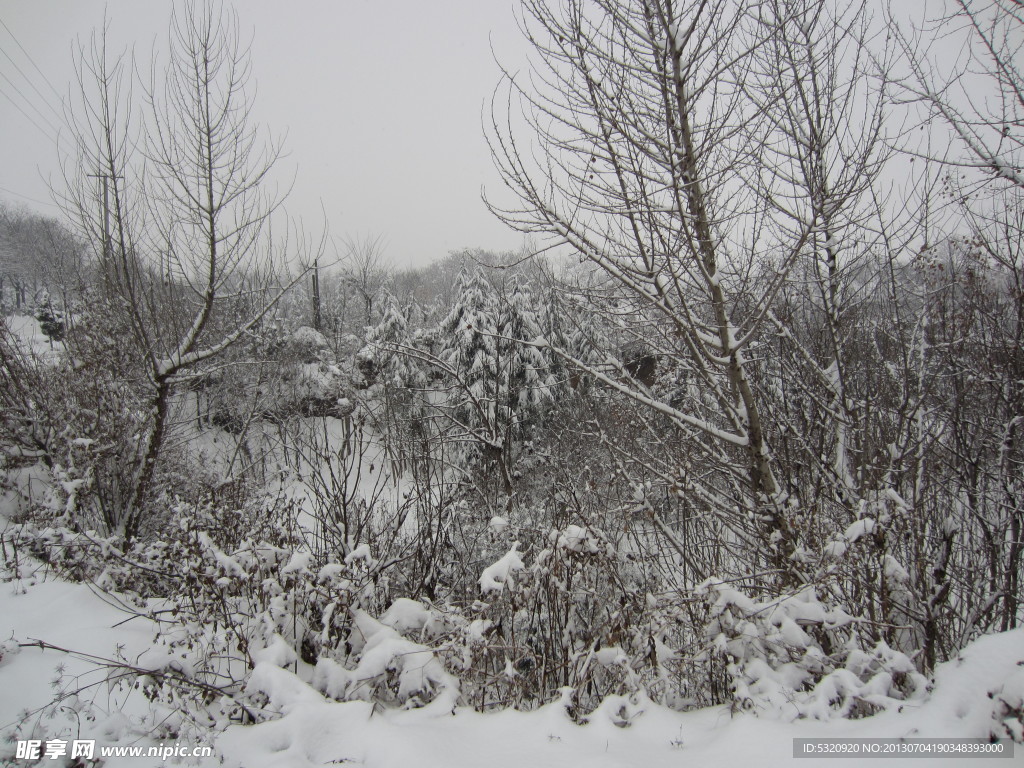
x=314, y=731
x=30, y=338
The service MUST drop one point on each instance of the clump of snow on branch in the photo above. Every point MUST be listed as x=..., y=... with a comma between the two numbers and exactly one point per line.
x=498, y=576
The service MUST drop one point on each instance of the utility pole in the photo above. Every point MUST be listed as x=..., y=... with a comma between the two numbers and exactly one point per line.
x=317, y=317
x=105, y=184
x=104, y=178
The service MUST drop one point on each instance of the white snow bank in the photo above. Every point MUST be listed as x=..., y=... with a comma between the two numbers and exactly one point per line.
x=622, y=732
x=986, y=679
x=73, y=617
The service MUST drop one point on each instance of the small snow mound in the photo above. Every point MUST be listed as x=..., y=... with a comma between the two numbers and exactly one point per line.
x=611, y=656
x=406, y=615
x=894, y=571
x=360, y=553
x=285, y=691
x=496, y=576
x=330, y=573
x=310, y=337
x=299, y=563
x=724, y=596
x=477, y=629
x=858, y=528
x=382, y=651
x=331, y=679
x=278, y=652
x=510, y=671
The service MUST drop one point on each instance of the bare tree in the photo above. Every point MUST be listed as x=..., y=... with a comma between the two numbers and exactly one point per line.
x=978, y=94
x=38, y=253
x=174, y=191
x=366, y=273
x=696, y=153
x=975, y=282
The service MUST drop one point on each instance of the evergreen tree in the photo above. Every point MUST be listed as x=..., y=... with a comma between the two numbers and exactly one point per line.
x=496, y=378
x=51, y=320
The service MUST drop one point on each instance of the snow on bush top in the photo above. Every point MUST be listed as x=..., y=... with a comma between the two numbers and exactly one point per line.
x=309, y=338
x=382, y=652
x=796, y=657
x=496, y=576
x=578, y=539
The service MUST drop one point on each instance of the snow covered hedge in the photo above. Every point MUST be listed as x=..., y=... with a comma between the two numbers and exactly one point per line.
x=249, y=629
x=796, y=657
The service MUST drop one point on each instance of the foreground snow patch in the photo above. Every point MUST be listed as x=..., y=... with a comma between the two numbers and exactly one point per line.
x=622, y=732
x=970, y=692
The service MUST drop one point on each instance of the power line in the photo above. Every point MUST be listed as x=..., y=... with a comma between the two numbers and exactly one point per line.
x=30, y=104
x=45, y=100
x=32, y=61
x=28, y=116
x=26, y=197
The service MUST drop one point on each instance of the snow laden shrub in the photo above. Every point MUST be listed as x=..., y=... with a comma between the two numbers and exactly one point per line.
x=537, y=632
x=566, y=621
x=568, y=324
x=80, y=416
x=395, y=374
x=259, y=602
x=535, y=635
x=51, y=320
x=280, y=374
x=895, y=566
x=241, y=599
x=1008, y=708
x=78, y=419
x=799, y=657
x=230, y=589
x=378, y=663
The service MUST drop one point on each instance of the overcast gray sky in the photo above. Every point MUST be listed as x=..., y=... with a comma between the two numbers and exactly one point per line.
x=379, y=102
